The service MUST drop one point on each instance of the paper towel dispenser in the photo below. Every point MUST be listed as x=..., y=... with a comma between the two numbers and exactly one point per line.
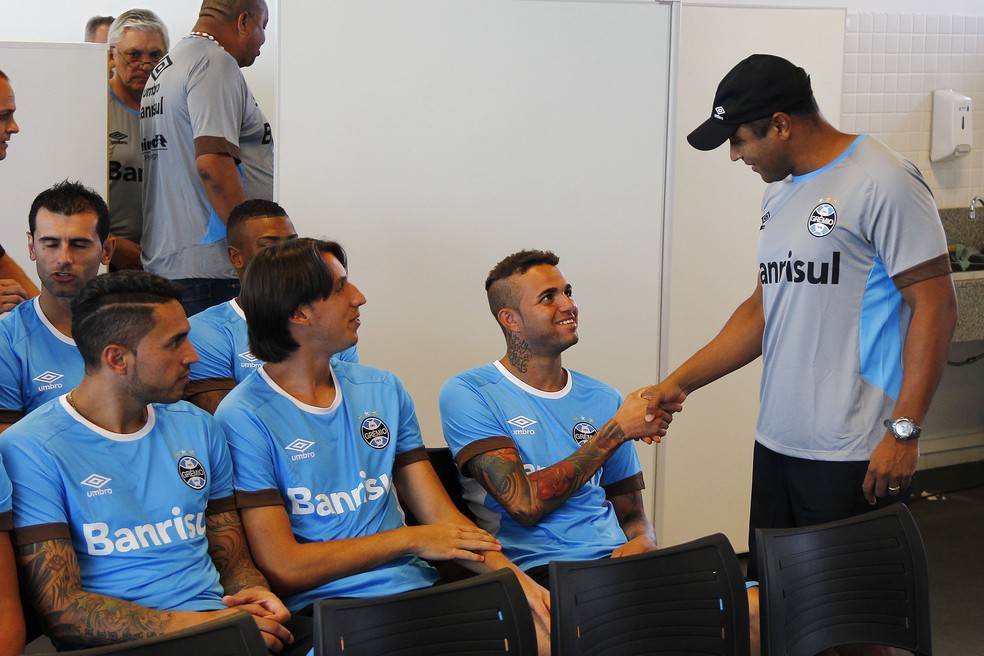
x=953, y=131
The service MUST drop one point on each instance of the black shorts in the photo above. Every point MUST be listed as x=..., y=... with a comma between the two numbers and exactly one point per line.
x=788, y=492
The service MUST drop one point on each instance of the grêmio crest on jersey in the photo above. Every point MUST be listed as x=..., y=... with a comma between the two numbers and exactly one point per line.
x=583, y=430
x=375, y=432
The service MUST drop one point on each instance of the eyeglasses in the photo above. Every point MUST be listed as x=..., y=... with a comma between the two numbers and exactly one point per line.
x=135, y=58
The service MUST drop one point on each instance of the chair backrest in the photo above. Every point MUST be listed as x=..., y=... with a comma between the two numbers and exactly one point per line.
x=483, y=615
x=859, y=580
x=234, y=635
x=443, y=463
x=685, y=599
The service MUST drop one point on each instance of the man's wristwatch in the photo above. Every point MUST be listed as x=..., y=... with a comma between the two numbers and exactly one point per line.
x=903, y=428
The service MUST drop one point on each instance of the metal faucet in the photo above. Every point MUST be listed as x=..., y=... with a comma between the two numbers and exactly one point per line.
x=973, y=206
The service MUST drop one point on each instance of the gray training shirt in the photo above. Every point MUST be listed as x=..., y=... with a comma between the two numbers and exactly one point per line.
x=196, y=102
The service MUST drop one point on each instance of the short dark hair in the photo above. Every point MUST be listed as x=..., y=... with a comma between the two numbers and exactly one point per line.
x=281, y=278
x=500, y=293
x=117, y=308
x=68, y=198
x=255, y=208
x=94, y=24
x=230, y=9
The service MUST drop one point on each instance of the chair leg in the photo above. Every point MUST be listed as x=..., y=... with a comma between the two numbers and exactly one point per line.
x=754, y=623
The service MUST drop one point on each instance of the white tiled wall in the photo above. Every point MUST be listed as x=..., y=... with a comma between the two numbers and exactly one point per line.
x=893, y=62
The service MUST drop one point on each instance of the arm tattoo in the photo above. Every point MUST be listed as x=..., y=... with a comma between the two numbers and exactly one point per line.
x=530, y=497
x=631, y=513
x=518, y=352
x=51, y=577
x=636, y=523
x=230, y=553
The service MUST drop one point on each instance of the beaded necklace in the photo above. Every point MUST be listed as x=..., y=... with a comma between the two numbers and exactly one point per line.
x=206, y=35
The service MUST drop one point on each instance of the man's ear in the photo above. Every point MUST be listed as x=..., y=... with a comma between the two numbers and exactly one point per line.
x=236, y=258
x=241, y=22
x=301, y=315
x=108, y=248
x=509, y=319
x=30, y=247
x=114, y=358
x=781, y=123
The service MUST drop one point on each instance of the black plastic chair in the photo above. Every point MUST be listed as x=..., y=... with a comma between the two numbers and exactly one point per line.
x=859, y=580
x=480, y=616
x=687, y=599
x=443, y=463
x=235, y=635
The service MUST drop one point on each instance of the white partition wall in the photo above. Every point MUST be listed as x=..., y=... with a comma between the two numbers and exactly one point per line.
x=434, y=137
x=704, y=467
x=60, y=90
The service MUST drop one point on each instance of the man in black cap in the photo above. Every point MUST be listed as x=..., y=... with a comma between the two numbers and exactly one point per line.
x=853, y=311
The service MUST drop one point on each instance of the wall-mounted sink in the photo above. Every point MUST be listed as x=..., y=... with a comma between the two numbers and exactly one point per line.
x=968, y=275
x=970, y=306
x=960, y=229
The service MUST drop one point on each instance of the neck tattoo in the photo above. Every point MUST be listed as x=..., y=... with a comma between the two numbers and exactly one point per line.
x=518, y=352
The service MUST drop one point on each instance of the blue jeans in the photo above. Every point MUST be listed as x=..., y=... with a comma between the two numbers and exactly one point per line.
x=202, y=293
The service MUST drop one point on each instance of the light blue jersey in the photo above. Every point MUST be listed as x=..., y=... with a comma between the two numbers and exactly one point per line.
x=331, y=468
x=37, y=362
x=6, y=512
x=832, y=245
x=133, y=505
x=488, y=408
x=219, y=335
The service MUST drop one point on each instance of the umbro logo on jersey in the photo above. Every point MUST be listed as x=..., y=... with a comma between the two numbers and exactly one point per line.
x=98, y=484
x=765, y=219
x=162, y=66
x=375, y=432
x=522, y=425
x=96, y=480
x=117, y=137
x=249, y=360
x=300, y=447
x=48, y=377
x=49, y=380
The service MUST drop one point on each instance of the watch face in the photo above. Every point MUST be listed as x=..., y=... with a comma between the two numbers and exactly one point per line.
x=903, y=428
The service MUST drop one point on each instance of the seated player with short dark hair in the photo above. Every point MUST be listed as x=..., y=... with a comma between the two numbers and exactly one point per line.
x=125, y=522
x=219, y=333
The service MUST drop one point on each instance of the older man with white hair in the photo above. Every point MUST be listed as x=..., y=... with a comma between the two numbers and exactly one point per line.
x=137, y=41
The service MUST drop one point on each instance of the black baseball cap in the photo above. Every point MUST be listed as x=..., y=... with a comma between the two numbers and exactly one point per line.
x=755, y=88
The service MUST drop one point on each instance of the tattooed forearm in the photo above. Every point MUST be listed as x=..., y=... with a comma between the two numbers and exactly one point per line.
x=518, y=352
x=631, y=513
x=610, y=436
x=528, y=498
x=635, y=524
x=230, y=553
x=50, y=574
